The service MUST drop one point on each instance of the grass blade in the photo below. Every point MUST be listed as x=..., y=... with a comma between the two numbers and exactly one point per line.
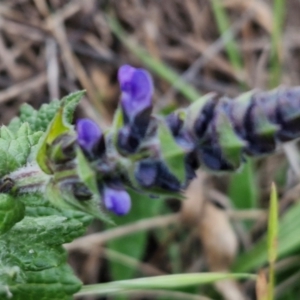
x=272, y=239
x=278, y=20
x=159, y=282
x=223, y=24
x=288, y=241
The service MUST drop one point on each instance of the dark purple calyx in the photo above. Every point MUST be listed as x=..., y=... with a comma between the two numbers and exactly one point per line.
x=155, y=174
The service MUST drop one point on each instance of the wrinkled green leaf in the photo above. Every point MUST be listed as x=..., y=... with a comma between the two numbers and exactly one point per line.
x=11, y=211
x=17, y=149
x=70, y=103
x=33, y=262
x=39, y=120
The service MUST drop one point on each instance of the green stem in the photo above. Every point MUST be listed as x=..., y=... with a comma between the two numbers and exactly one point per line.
x=31, y=178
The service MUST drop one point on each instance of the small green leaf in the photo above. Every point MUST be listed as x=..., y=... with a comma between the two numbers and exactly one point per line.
x=172, y=154
x=70, y=103
x=55, y=129
x=86, y=173
x=118, y=121
x=11, y=211
x=59, y=125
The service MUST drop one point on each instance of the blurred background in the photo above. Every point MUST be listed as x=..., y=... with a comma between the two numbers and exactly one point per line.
x=49, y=48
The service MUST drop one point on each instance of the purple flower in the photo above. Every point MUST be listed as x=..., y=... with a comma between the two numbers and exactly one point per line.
x=116, y=200
x=88, y=134
x=137, y=90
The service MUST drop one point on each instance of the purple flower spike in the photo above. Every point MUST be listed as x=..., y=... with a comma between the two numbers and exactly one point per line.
x=116, y=200
x=88, y=134
x=137, y=90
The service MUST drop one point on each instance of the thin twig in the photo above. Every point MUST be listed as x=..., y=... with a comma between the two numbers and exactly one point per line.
x=23, y=87
x=247, y=214
x=52, y=68
x=85, y=243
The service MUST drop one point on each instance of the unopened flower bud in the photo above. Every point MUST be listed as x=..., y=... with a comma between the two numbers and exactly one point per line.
x=183, y=137
x=62, y=149
x=81, y=191
x=154, y=174
x=116, y=199
x=137, y=90
x=175, y=123
x=90, y=137
x=127, y=141
x=136, y=103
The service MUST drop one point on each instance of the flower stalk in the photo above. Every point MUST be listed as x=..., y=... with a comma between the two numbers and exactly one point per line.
x=154, y=155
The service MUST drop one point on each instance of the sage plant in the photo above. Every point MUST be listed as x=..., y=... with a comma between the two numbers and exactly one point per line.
x=56, y=177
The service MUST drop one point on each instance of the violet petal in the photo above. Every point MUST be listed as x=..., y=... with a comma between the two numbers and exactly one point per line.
x=137, y=89
x=117, y=201
x=88, y=133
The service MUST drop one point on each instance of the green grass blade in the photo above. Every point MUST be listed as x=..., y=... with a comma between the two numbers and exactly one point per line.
x=288, y=241
x=278, y=21
x=159, y=282
x=151, y=63
x=273, y=225
x=223, y=24
x=272, y=239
